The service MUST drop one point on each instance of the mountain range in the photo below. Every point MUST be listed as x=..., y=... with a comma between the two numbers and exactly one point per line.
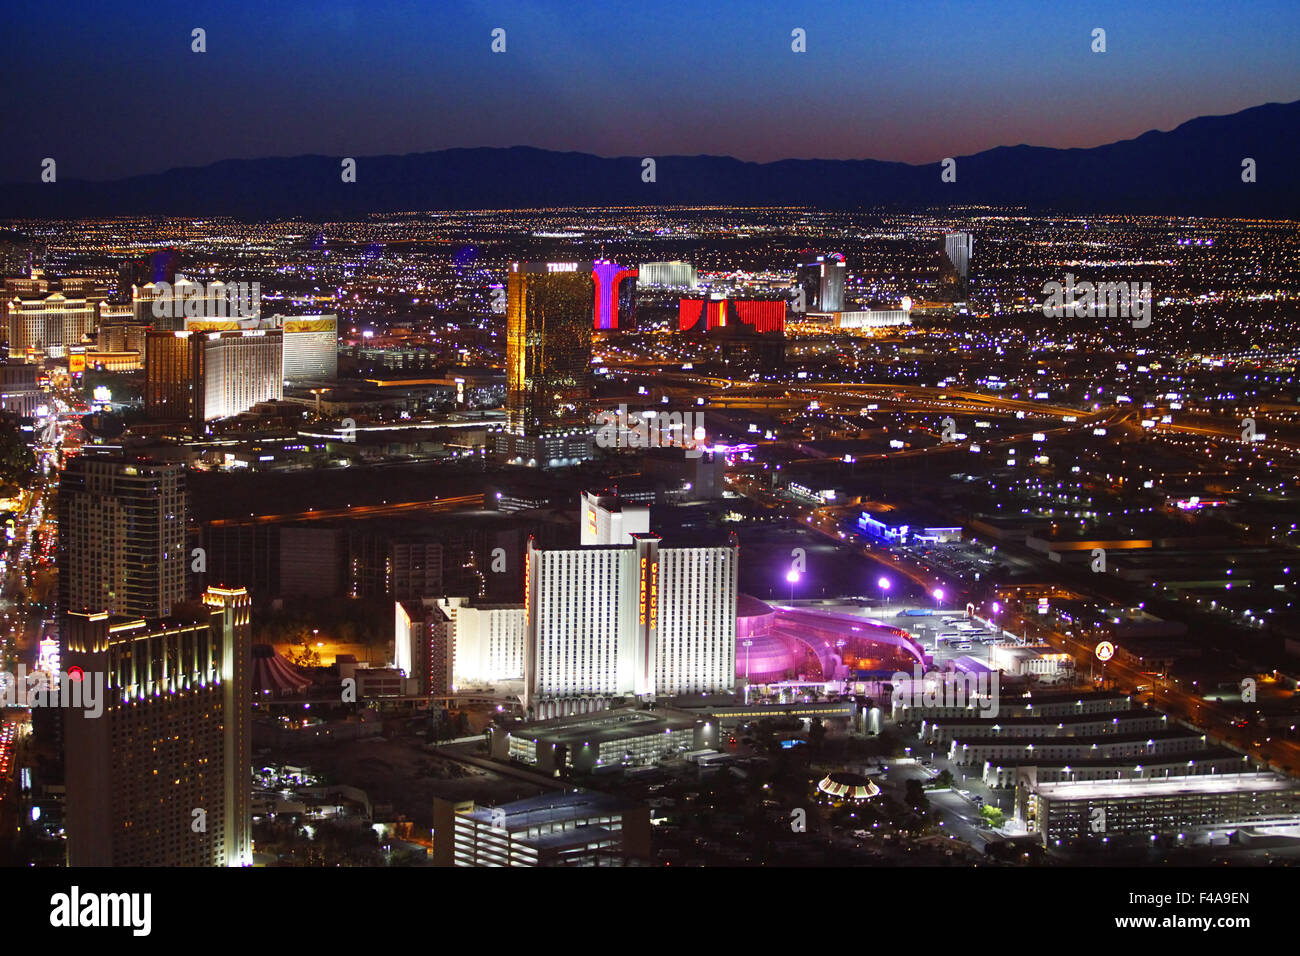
x=1192, y=170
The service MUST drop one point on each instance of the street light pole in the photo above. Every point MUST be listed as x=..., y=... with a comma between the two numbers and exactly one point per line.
x=748, y=645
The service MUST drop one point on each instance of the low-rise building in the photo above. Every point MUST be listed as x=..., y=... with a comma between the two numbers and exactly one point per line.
x=1212, y=760
x=603, y=739
x=1065, y=813
x=983, y=750
x=578, y=828
x=1068, y=725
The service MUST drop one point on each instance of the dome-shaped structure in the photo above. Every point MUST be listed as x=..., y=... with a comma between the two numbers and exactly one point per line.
x=774, y=644
x=764, y=655
x=769, y=657
x=749, y=606
x=273, y=676
x=842, y=785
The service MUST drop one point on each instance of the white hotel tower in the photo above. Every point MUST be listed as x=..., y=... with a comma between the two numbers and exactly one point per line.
x=606, y=519
x=637, y=620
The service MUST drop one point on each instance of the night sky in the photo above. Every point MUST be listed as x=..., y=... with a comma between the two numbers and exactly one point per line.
x=112, y=89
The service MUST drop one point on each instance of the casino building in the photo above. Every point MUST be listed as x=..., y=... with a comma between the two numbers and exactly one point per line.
x=954, y=266
x=822, y=281
x=46, y=323
x=635, y=620
x=775, y=644
x=549, y=322
x=668, y=275
x=310, y=342
x=743, y=334
x=201, y=376
x=615, y=306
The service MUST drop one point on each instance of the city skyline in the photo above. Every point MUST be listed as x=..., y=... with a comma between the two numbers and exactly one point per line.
x=377, y=492
x=838, y=487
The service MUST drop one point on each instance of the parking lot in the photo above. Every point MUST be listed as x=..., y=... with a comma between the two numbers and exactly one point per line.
x=946, y=634
x=958, y=560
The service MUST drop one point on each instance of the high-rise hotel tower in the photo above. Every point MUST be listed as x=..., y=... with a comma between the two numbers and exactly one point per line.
x=199, y=376
x=122, y=535
x=954, y=266
x=162, y=777
x=548, y=362
x=639, y=619
x=822, y=280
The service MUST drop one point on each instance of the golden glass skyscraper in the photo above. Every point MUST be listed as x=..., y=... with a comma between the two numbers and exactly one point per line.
x=548, y=347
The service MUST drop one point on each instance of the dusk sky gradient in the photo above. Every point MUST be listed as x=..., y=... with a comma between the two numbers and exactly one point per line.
x=112, y=90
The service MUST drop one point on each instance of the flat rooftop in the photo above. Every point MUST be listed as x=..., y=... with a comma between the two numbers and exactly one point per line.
x=1153, y=760
x=550, y=808
x=1040, y=698
x=1093, y=739
x=1065, y=720
x=601, y=727
x=911, y=517
x=572, y=839
x=1028, y=653
x=1064, y=696
x=611, y=501
x=1166, y=787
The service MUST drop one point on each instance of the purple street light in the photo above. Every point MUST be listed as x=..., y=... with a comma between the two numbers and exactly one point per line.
x=883, y=584
x=793, y=577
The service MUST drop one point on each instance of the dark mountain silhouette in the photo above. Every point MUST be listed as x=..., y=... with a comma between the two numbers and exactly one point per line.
x=1194, y=169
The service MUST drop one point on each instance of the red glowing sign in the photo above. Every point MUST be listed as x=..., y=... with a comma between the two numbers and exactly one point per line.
x=654, y=595
x=643, y=591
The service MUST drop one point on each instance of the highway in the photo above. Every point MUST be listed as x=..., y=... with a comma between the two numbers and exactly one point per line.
x=460, y=503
